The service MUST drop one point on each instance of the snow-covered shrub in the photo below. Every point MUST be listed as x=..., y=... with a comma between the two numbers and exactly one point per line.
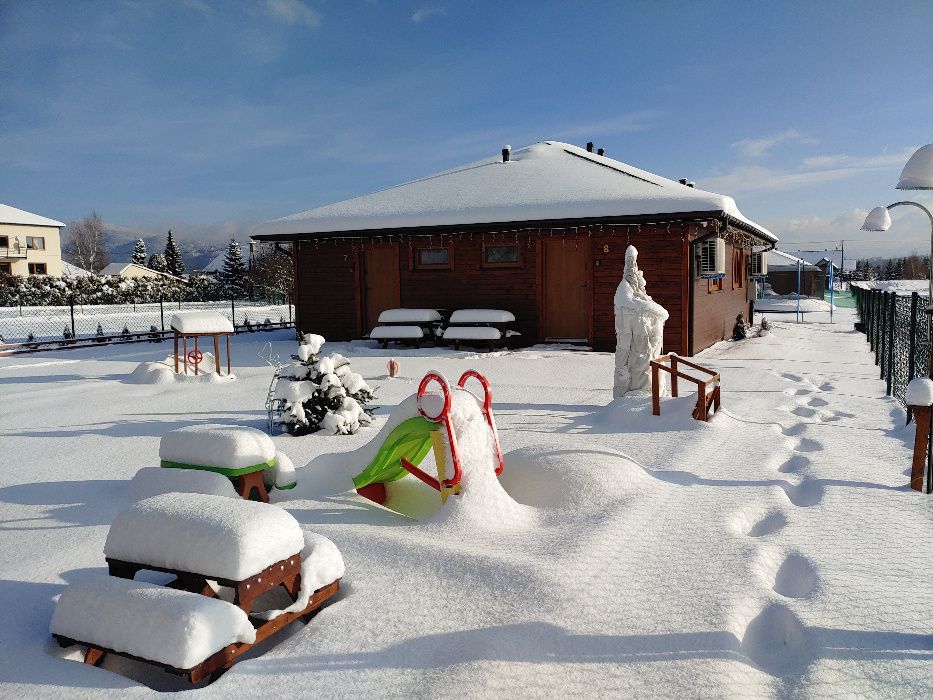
x=321, y=393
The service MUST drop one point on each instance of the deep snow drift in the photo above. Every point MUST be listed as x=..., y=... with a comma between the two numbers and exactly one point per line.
x=773, y=552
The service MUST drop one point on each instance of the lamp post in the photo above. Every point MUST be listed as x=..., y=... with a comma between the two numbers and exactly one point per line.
x=916, y=175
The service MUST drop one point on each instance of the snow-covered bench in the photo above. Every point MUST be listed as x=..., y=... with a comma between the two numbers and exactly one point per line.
x=480, y=326
x=205, y=541
x=241, y=454
x=406, y=325
x=182, y=632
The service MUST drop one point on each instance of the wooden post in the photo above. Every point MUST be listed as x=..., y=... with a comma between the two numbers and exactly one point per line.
x=655, y=394
x=184, y=340
x=197, y=365
x=674, y=390
x=922, y=416
x=228, y=355
x=217, y=355
x=176, y=352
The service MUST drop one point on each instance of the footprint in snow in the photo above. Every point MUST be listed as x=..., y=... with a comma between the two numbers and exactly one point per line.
x=794, y=464
x=806, y=494
x=808, y=445
x=816, y=402
x=804, y=412
x=796, y=577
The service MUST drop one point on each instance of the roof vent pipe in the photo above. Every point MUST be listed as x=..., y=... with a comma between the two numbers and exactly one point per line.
x=691, y=183
x=589, y=146
x=600, y=152
x=506, y=154
x=682, y=181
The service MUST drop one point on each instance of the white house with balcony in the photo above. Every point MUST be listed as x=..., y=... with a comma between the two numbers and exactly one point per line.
x=29, y=244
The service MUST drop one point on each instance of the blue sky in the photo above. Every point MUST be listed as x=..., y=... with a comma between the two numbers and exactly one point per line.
x=208, y=117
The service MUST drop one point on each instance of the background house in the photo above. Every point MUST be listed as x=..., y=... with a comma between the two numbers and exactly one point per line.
x=131, y=270
x=29, y=244
x=540, y=231
x=782, y=275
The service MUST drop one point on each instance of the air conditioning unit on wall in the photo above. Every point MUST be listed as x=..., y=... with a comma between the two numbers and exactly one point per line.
x=712, y=254
x=759, y=264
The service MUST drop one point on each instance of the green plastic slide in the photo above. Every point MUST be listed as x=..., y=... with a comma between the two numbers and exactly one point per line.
x=410, y=439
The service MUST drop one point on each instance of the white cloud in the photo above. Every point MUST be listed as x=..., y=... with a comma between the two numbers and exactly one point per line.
x=756, y=148
x=423, y=13
x=757, y=178
x=294, y=12
x=628, y=123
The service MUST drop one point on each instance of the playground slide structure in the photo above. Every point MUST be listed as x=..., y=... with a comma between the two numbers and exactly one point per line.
x=410, y=439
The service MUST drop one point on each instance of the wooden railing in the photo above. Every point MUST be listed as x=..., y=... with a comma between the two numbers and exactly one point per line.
x=706, y=398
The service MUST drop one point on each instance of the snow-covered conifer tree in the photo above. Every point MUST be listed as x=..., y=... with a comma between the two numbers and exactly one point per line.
x=233, y=274
x=173, y=262
x=139, y=252
x=321, y=393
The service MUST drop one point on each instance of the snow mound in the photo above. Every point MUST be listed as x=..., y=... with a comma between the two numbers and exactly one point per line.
x=211, y=535
x=482, y=502
x=164, y=372
x=321, y=564
x=282, y=476
x=161, y=624
x=154, y=481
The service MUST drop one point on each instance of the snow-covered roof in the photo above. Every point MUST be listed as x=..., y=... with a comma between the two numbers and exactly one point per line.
x=69, y=270
x=118, y=268
x=547, y=181
x=217, y=264
x=779, y=260
x=12, y=215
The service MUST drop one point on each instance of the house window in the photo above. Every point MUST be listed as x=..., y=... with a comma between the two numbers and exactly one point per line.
x=501, y=256
x=738, y=268
x=6, y=268
x=37, y=268
x=714, y=284
x=35, y=243
x=433, y=258
x=4, y=241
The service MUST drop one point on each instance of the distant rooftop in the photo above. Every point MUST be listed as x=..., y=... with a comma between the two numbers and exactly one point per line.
x=547, y=181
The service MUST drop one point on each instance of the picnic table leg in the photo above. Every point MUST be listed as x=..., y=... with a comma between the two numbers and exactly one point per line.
x=655, y=391
x=247, y=483
x=674, y=387
x=93, y=656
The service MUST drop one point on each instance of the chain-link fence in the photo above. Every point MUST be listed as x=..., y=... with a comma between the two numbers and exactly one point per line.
x=25, y=328
x=898, y=332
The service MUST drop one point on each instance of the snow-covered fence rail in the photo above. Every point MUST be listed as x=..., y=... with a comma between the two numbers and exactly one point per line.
x=47, y=327
x=897, y=331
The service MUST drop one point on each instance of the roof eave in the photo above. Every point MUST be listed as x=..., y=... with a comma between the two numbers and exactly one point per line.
x=659, y=218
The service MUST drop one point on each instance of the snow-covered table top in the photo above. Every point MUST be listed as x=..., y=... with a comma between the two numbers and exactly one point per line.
x=215, y=536
x=482, y=316
x=206, y=322
x=229, y=450
x=472, y=333
x=165, y=625
x=396, y=332
x=409, y=316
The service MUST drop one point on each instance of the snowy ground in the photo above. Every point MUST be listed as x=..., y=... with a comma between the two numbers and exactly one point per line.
x=773, y=552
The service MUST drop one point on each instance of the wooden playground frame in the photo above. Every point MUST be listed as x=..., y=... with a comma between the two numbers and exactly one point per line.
x=706, y=399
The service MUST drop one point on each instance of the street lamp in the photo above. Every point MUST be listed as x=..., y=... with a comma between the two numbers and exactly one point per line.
x=916, y=175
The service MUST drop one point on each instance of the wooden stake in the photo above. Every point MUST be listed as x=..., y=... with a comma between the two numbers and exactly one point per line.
x=922, y=415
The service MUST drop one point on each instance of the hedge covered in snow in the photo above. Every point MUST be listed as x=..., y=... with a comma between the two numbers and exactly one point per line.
x=59, y=291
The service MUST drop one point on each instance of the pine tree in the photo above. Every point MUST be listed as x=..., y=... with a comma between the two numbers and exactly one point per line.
x=173, y=264
x=157, y=262
x=233, y=275
x=139, y=252
x=321, y=393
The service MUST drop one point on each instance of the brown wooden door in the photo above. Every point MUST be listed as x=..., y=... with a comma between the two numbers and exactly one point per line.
x=380, y=284
x=567, y=289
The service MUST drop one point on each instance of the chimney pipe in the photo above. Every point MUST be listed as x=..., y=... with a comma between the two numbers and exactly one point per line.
x=506, y=154
x=589, y=146
x=600, y=152
x=691, y=183
x=682, y=181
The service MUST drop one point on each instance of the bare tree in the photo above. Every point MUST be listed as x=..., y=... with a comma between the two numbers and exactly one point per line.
x=86, y=243
x=270, y=271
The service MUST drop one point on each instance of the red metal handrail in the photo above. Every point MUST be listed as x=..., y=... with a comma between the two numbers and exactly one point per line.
x=444, y=416
x=487, y=411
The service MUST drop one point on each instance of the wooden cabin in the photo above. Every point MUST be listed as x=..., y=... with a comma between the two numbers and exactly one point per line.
x=540, y=231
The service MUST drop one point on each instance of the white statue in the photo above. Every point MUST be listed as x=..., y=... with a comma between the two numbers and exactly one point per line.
x=639, y=330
